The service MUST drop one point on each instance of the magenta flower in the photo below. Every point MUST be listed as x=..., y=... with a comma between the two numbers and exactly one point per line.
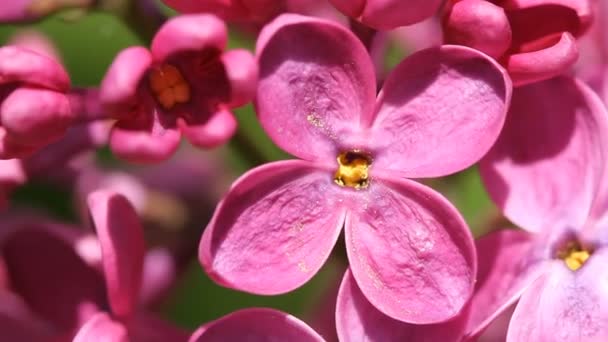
x=186, y=85
x=409, y=249
x=388, y=14
x=533, y=39
x=256, y=324
x=34, y=107
x=232, y=10
x=358, y=320
x=544, y=173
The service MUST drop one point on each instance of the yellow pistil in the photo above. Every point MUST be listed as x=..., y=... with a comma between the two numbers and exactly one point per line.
x=169, y=86
x=574, y=256
x=353, y=170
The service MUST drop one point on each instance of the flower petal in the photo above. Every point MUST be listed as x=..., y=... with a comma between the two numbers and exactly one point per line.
x=440, y=110
x=571, y=305
x=411, y=252
x=508, y=264
x=242, y=72
x=22, y=65
x=388, y=14
x=101, y=328
x=216, y=130
x=314, y=94
x=122, y=245
x=274, y=229
x=256, y=325
x=192, y=32
x=547, y=162
x=358, y=320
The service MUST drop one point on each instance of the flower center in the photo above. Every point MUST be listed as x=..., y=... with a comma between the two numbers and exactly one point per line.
x=169, y=86
x=574, y=255
x=353, y=170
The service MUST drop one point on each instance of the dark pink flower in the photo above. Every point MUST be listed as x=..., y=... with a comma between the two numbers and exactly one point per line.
x=388, y=14
x=232, y=10
x=185, y=85
x=409, y=249
x=545, y=173
x=533, y=39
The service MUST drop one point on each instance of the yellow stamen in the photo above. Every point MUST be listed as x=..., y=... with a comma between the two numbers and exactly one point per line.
x=353, y=170
x=574, y=256
x=169, y=86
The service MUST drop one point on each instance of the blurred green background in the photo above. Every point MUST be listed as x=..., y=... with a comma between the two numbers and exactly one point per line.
x=87, y=45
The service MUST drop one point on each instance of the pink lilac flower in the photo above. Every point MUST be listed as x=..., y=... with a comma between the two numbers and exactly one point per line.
x=358, y=320
x=388, y=14
x=256, y=324
x=544, y=173
x=232, y=10
x=409, y=249
x=593, y=64
x=185, y=85
x=533, y=39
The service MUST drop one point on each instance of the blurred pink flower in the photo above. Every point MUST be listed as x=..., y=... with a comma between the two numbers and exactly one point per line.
x=545, y=173
x=232, y=10
x=533, y=39
x=388, y=14
x=409, y=249
x=26, y=10
x=185, y=85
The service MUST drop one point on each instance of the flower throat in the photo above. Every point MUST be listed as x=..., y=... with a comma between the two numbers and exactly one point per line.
x=353, y=170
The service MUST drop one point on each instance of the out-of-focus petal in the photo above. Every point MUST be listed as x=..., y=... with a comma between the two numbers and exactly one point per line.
x=440, y=110
x=242, y=72
x=274, y=229
x=548, y=160
x=216, y=130
x=388, y=14
x=508, y=264
x=479, y=24
x=410, y=251
x=565, y=305
x=150, y=328
x=314, y=94
x=538, y=65
x=101, y=328
x=358, y=320
x=191, y=32
x=582, y=8
x=36, y=116
x=256, y=325
x=21, y=65
x=122, y=245
x=118, y=91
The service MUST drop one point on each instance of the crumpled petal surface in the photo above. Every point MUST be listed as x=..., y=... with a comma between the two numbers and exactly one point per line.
x=317, y=91
x=567, y=305
x=122, y=244
x=410, y=251
x=560, y=140
x=388, y=14
x=440, y=110
x=358, y=320
x=274, y=229
x=256, y=325
x=507, y=266
x=101, y=328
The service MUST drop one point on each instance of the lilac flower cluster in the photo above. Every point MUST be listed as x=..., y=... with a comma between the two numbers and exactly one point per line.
x=502, y=91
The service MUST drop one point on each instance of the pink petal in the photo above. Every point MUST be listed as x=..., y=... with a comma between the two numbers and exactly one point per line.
x=538, y=65
x=122, y=245
x=479, y=24
x=411, y=252
x=256, y=325
x=274, y=229
x=546, y=165
x=314, y=94
x=150, y=328
x=440, y=110
x=46, y=270
x=36, y=116
x=242, y=72
x=217, y=130
x=144, y=139
x=118, y=91
x=570, y=306
x=101, y=328
x=22, y=65
x=193, y=32
x=358, y=320
x=508, y=264
x=388, y=14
